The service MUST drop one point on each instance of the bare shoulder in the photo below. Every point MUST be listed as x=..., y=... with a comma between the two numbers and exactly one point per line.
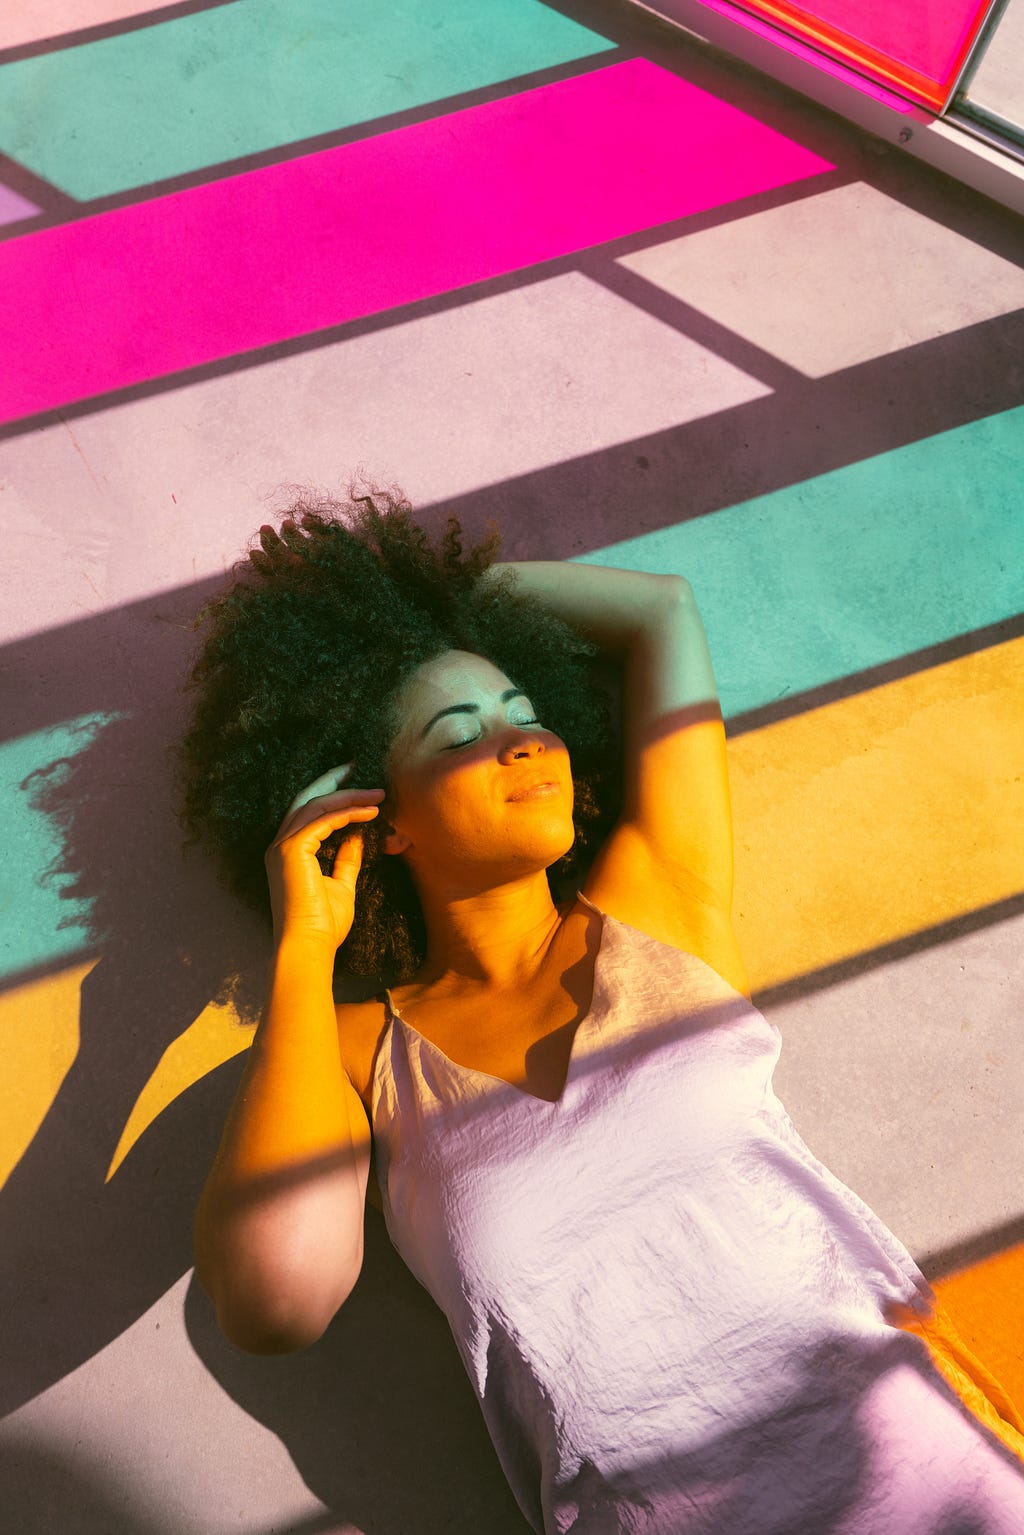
x=629, y=884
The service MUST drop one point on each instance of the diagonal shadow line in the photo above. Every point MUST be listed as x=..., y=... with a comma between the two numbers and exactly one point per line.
x=944, y=1261
x=312, y=1524
x=336, y=138
x=597, y=16
x=887, y=953
x=697, y=326
x=635, y=34
x=968, y=644
x=79, y=36
x=856, y=413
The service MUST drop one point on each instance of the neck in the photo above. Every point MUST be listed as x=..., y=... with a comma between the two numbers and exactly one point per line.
x=493, y=939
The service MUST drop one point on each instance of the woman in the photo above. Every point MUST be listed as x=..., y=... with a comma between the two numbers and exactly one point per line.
x=674, y=1317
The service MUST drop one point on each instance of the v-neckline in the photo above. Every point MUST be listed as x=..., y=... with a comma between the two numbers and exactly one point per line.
x=394, y=1016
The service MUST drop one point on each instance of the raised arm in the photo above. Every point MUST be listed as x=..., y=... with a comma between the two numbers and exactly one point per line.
x=667, y=867
x=279, y=1227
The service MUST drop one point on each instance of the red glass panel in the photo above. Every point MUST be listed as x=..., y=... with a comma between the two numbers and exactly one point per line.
x=916, y=47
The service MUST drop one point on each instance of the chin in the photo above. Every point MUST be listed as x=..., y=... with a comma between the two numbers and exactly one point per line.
x=556, y=847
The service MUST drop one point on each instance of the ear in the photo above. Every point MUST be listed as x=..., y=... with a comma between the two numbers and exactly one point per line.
x=395, y=841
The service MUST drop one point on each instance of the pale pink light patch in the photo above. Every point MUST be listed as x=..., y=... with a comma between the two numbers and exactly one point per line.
x=20, y=24
x=14, y=207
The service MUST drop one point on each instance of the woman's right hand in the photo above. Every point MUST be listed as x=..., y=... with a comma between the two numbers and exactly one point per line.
x=305, y=901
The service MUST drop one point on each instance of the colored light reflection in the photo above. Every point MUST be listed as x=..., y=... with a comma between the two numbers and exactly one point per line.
x=916, y=47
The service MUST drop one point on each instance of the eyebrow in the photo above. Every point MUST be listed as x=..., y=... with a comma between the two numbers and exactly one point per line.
x=506, y=697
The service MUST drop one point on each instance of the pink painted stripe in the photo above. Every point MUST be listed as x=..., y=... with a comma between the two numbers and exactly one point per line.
x=13, y=206
x=148, y=290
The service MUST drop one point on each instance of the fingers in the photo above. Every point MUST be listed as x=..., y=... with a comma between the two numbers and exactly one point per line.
x=324, y=798
x=348, y=858
x=333, y=808
x=325, y=784
x=312, y=825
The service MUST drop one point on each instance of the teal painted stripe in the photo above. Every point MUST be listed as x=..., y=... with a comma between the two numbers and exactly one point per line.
x=168, y=99
x=40, y=921
x=854, y=568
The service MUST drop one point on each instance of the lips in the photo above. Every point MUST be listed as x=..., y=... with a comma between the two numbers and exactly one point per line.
x=541, y=788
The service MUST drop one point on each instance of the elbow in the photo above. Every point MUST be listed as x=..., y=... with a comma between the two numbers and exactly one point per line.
x=267, y=1335
x=281, y=1324
x=267, y=1311
x=676, y=588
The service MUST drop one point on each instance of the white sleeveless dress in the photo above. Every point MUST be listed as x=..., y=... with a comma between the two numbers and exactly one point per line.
x=673, y=1315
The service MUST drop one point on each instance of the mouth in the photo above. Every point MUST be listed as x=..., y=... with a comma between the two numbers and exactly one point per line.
x=543, y=789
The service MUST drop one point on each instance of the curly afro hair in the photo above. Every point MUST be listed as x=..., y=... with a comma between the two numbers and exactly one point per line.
x=301, y=660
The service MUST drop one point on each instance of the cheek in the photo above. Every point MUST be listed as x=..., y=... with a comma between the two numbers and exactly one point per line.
x=440, y=799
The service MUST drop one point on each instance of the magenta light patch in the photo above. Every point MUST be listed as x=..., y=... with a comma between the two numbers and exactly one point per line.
x=14, y=207
x=140, y=292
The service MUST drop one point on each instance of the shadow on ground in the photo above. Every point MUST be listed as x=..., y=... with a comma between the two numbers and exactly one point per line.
x=379, y=1416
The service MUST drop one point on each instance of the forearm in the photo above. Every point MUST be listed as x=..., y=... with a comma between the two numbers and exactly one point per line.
x=609, y=606
x=279, y=1223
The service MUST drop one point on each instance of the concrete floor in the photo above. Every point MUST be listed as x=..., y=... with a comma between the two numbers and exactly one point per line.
x=648, y=309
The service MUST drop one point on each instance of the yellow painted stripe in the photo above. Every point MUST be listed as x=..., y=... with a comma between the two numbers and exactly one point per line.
x=879, y=815
x=38, y=1043
x=214, y=1037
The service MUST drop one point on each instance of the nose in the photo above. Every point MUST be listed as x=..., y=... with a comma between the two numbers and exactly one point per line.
x=521, y=745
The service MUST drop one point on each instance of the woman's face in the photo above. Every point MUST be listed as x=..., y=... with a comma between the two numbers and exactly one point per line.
x=475, y=780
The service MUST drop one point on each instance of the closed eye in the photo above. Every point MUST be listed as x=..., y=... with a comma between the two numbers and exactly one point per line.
x=458, y=745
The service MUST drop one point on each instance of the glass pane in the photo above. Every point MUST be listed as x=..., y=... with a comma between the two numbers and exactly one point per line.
x=916, y=47
x=997, y=84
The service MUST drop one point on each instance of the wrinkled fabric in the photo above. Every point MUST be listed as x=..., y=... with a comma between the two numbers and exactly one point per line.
x=677, y=1321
